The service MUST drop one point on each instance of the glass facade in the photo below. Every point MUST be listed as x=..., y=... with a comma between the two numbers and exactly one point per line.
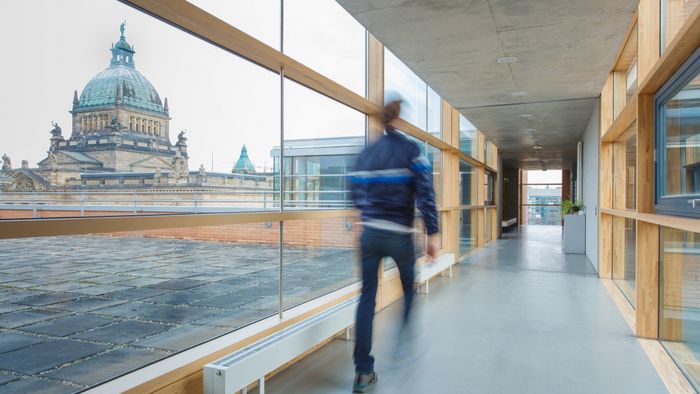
x=318, y=155
x=679, y=326
x=402, y=83
x=624, y=257
x=260, y=20
x=319, y=256
x=678, y=142
x=625, y=170
x=541, y=197
x=467, y=175
x=674, y=14
x=323, y=36
x=467, y=137
x=434, y=113
x=232, y=137
x=467, y=230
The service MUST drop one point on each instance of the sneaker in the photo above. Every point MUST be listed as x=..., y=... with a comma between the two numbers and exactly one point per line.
x=363, y=381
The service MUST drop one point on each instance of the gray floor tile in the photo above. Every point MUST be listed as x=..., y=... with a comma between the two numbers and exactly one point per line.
x=127, y=310
x=176, y=298
x=7, y=307
x=136, y=293
x=96, y=290
x=5, y=378
x=179, y=314
x=178, y=284
x=236, y=318
x=85, y=304
x=124, y=332
x=46, y=299
x=10, y=341
x=22, y=318
x=182, y=338
x=47, y=355
x=37, y=386
x=68, y=325
x=228, y=301
x=106, y=366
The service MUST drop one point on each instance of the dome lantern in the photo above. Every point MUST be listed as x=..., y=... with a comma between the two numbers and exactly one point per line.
x=122, y=52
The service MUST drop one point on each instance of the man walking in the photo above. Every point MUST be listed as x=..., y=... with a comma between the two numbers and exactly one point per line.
x=391, y=177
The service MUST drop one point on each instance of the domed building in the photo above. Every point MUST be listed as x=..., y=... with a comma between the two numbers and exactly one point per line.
x=119, y=124
x=243, y=164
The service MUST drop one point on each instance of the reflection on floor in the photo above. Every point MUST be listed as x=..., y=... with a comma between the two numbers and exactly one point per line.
x=76, y=311
x=519, y=317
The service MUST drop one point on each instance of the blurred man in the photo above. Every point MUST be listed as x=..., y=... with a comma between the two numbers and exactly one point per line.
x=391, y=177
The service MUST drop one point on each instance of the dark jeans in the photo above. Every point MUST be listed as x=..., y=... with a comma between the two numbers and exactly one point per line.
x=375, y=245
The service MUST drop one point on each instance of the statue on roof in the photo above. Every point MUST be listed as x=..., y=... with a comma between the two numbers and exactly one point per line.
x=6, y=163
x=56, y=129
x=121, y=28
x=181, y=139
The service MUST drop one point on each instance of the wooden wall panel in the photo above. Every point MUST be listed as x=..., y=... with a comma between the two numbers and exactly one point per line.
x=645, y=154
x=605, y=230
x=606, y=105
x=647, y=280
x=649, y=42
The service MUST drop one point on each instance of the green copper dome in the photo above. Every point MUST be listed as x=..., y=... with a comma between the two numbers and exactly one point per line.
x=121, y=84
x=243, y=165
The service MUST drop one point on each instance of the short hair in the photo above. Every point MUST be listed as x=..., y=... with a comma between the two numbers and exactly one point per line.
x=391, y=112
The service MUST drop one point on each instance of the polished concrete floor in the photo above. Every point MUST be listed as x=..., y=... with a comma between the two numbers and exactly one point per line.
x=519, y=317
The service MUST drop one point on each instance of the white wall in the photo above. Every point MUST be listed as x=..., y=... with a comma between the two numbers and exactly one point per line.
x=590, y=184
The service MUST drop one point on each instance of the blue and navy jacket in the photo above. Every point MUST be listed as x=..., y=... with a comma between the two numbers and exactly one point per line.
x=391, y=177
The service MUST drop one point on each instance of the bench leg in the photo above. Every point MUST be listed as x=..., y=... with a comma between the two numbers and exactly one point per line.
x=261, y=386
x=427, y=286
x=244, y=390
x=450, y=270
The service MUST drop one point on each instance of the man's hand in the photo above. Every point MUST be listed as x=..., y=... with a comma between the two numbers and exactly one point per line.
x=433, y=246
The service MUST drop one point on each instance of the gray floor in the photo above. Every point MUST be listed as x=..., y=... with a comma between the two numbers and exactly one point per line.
x=520, y=317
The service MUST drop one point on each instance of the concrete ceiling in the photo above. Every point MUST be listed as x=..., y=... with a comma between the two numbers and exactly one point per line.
x=565, y=49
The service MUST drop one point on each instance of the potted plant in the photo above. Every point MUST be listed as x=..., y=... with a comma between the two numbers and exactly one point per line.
x=574, y=227
x=569, y=207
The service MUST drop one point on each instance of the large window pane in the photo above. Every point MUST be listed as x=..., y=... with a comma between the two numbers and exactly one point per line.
x=541, y=196
x=141, y=296
x=467, y=175
x=434, y=113
x=678, y=167
x=625, y=169
x=260, y=18
x=402, y=83
x=321, y=140
x=624, y=256
x=680, y=304
x=467, y=230
x=434, y=156
x=674, y=15
x=323, y=36
x=319, y=257
x=467, y=137
x=159, y=122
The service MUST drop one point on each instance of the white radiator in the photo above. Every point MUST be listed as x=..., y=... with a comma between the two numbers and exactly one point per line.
x=243, y=367
x=427, y=271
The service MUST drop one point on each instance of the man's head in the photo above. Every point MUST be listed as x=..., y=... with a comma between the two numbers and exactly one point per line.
x=391, y=112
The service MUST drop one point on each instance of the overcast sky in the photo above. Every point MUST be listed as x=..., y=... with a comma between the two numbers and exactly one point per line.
x=52, y=48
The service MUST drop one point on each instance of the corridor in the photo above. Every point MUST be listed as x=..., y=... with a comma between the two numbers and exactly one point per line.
x=518, y=317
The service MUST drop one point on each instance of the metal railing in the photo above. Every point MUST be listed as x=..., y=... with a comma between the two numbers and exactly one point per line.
x=173, y=201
